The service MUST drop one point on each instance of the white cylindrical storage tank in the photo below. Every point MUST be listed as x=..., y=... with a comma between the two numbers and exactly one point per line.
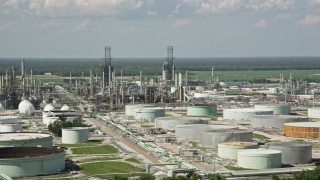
x=130, y=108
x=193, y=131
x=212, y=138
x=171, y=122
x=278, y=109
x=302, y=129
x=229, y=150
x=314, y=112
x=25, y=139
x=9, y=119
x=274, y=121
x=293, y=153
x=259, y=158
x=6, y=128
x=31, y=161
x=148, y=113
x=209, y=110
x=244, y=114
x=1, y=108
x=26, y=108
x=74, y=135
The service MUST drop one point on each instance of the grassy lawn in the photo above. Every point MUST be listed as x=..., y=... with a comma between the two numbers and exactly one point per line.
x=90, y=143
x=106, y=149
x=134, y=160
x=108, y=167
x=99, y=159
x=258, y=136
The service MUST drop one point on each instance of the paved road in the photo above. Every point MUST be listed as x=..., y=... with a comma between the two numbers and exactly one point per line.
x=125, y=141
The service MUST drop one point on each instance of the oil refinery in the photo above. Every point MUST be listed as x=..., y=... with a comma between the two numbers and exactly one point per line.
x=173, y=124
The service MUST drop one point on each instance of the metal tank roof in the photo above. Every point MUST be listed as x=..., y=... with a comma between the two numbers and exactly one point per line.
x=237, y=144
x=304, y=124
x=22, y=136
x=23, y=152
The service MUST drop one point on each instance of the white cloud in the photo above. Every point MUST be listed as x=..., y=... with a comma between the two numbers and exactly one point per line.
x=181, y=22
x=152, y=13
x=261, y=23
x=310, y=20
x=84, y=24
x=314, y=2
x=12, y=4
x=225, y=6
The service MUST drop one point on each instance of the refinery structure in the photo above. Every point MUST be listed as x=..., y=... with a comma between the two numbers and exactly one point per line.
x=173, y=124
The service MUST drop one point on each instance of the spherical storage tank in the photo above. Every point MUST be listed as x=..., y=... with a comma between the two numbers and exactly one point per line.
x=202, y=110
x=25, y=139
x=65, y=108
x=293, y=153
x=130, y=108
x=75, y=135
x=148, y=113
x=5, y=128
x=274, y=121
x=244, y=113
x=314, y=112
x=26, y=108
x=31, y=161
x=48, y=107
x=259, y=158
x=212, y=138
x=229, y=150
x=278, y=109
x=302, y=129
x=193, y=131
x=171, y=122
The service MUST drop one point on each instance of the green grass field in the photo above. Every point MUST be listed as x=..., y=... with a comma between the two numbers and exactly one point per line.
x=99, y=159
x=108, y=167
x=134, y=160
x=262, y=74
x=106, y=149
x=261, y=137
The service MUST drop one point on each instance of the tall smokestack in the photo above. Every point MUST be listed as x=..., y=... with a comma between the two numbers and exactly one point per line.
x=91, y=84
x=22, y=68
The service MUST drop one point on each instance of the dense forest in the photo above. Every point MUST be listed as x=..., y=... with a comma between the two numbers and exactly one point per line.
x=153, y=66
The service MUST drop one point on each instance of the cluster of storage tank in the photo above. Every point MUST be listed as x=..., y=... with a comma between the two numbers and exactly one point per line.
x=272, y=155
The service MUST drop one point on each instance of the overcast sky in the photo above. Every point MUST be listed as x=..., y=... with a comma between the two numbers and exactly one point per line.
x=144, y=28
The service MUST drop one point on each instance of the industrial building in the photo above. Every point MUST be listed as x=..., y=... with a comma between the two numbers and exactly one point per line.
x=259, y=158
x=20, y=139
x=31, y=161
x=75, y=135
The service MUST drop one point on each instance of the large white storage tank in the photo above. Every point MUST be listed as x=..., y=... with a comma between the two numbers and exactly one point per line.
x=26, y=108
x=259, y=158
x=130, y=108
x=31, y=161
x=278, y=109
x=212, y=138
x=293, y=153
x=314, y=112
x=6, y=128
x=244, y=114
x=171, y=122
x=208, y=110
x=25, y=139
x=75, y=135
x=148, y=113
x=193, y=131
x=229, y=150
x=274, y=121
